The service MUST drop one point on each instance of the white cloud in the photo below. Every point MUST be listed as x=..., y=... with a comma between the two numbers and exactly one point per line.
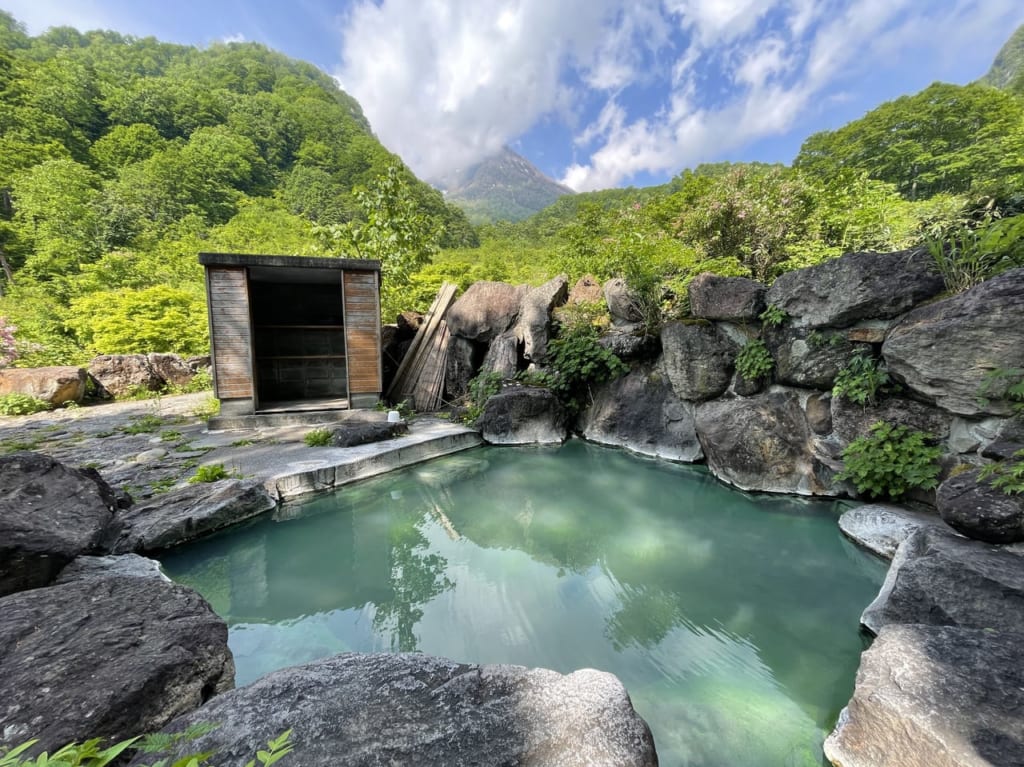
x=40, y=15
x=446, y=82
x=238, y=37
x=776, y=81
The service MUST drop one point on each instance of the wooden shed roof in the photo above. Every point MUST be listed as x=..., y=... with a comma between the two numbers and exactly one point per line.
x=291, y=269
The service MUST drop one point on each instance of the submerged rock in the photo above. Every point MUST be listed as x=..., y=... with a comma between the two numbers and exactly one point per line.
x=934, y=695
x=640, y=412
x=191, y=512
x=112, y=650
x=523, y=415
x=49, y=514
x=412, y=709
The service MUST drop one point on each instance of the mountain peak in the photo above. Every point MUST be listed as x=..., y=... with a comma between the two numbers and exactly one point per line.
x=503, y=187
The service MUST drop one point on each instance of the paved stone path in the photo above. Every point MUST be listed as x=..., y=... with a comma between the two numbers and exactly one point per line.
x=147, y=447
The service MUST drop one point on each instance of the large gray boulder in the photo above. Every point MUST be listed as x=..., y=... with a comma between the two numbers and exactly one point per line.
x=945, y=351
x=856, y=286
x=485, y=310
x=523, y=415
x=978, y=510
x=934, y=696
x=759, y=443
x=622, y=302
x=942, y=579
x=55, y=385
x=697, y=358
x=112, y=650
x=809, y=358
x=732, y=299
x=412, y=709
x=121, y=374
x=631, y=342
x=533, y=326
x=851, y=421
x=49, y=514
x=189, y=513
x=640, y=412
x=171, y=368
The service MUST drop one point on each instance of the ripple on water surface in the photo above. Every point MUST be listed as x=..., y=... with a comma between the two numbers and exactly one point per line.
x=731, y=618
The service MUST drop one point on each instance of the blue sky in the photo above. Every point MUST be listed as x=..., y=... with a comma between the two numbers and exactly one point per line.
x=596, y=93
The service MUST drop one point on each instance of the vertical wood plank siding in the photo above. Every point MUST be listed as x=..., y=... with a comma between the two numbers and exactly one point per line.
x=362, y=332
x=230, y=331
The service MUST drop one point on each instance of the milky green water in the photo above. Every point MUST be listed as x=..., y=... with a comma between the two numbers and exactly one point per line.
x=732, y=619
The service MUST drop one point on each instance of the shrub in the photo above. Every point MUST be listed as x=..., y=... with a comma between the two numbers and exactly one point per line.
x=579, y=362
x=207, y=409
x=22, y=404
x=968, y=256
x=890, y=461
x=480, y=389
x=318, y=438
x=754, y=360
x=860, y=380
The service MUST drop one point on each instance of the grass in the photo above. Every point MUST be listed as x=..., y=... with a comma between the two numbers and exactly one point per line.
x=146, y=424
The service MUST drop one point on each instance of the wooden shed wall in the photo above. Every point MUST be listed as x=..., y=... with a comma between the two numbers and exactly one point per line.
x=362, y=332
x=230, y=331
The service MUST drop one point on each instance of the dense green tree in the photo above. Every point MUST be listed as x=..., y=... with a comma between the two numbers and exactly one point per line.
x=56, y=211
x=947, y=138
x=123, y=145
x=393, y=232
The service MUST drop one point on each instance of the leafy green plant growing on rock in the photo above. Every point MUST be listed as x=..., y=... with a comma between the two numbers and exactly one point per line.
x=22, y=404
x=146, y=424
x=754, y=361
x=90, y=754
x=479, y=390
x=1003, y=384
x=318, y=438
x=211, y=473
x=860, y=380
x=773, y=316
x=1007, y=475
x=890, y=461
x=578, y=362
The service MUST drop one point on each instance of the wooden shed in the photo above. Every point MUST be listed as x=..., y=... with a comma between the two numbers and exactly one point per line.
x=293, y=333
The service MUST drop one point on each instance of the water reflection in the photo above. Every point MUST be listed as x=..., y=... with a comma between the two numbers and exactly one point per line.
x=731, y=619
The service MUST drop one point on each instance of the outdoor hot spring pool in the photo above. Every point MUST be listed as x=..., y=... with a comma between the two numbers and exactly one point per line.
x=732, y=619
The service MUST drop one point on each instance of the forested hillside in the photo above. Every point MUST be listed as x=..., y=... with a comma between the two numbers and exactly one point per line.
x=122, y=158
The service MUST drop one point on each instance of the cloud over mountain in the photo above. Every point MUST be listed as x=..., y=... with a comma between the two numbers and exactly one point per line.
x=643, y=86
